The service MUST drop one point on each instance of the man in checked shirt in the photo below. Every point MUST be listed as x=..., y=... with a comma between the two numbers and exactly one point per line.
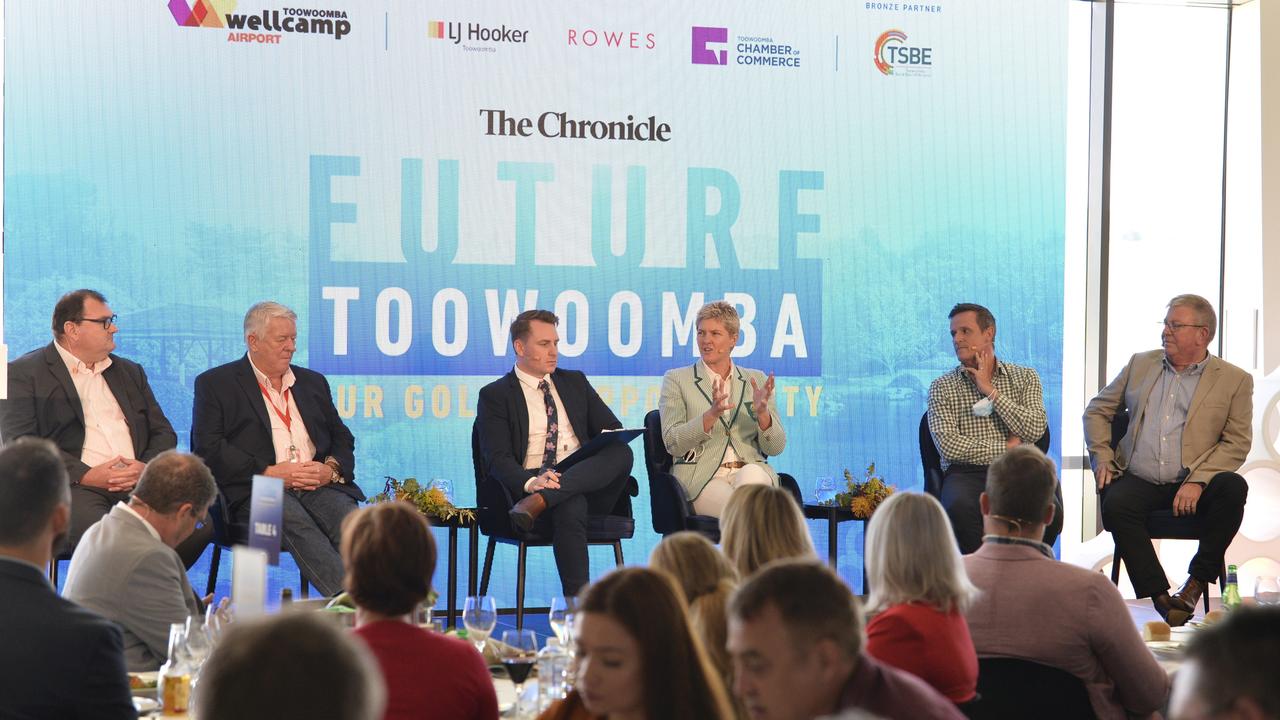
x=978, y=411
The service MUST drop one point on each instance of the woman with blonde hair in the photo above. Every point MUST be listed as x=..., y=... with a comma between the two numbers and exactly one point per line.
x=919, y=593
x=762, y=523
x=637, y=658
x=707, y=579
x=719, y=420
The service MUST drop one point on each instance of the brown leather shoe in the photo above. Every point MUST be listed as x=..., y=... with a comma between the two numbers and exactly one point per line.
x=524, y=513
x=1188, y=596
x=1175, y=616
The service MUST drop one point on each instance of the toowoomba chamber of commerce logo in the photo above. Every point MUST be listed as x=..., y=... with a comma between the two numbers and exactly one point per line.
x=711, y=46
x=260, y=26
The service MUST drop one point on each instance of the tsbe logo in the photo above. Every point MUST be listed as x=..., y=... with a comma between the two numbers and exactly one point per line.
x=755, y=50
x=894, y=57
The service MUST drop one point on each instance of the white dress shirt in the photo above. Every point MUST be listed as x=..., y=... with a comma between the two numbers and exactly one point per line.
x=566, y=440
x=106, y=432
x=285, y=435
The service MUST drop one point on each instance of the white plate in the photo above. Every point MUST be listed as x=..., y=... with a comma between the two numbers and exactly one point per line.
x=1164, y=644
x=145, y=704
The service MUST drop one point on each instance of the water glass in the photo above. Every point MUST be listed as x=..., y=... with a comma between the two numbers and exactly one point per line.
x=445, y=486
x=562, y=609
x=479, y=616
x=1266, y=591
x=198, y=646
x=825, y=490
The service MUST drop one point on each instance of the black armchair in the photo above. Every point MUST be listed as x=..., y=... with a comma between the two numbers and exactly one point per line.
x=1015, y=688
x=672, y=510
x=931, y=459
x=494, y=501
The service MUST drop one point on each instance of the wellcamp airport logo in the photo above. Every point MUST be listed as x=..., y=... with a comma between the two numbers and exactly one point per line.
x=266, y=27
x=894, y=57
x=753, y=50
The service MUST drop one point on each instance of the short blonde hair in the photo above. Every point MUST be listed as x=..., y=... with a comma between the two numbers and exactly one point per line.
x=707, y=579
x=721, y=311
x=763, y=523
x=911, y=556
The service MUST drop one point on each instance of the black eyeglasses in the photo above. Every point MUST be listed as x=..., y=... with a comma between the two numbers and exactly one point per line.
x=1176, y=326
x=107, y=322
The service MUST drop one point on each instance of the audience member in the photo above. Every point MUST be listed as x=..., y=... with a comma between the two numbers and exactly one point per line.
x=795, y=635
x=919, y=592
x=535, y=416
x=763, y=523
x=637, y=656
x=57, y=660
x=977, y=411
x=1036, y=608
x=390, y=557
x=126, y=568
x=294, y=666
x=261, y=415
x=1190, y=428
x=707, y=579
x=719, y=421
x=1230, y=669
x=96, y=406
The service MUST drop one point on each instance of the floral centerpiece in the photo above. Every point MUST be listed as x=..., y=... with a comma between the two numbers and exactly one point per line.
x=429, y=500
x=862, y=498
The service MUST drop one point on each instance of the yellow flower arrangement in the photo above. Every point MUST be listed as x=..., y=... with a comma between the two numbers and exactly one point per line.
x=429, y=501
x=862, y=498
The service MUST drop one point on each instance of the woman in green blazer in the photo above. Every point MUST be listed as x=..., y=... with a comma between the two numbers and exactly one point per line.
x=719, y=421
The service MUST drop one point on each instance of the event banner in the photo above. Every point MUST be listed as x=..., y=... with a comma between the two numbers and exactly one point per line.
x=409, y=176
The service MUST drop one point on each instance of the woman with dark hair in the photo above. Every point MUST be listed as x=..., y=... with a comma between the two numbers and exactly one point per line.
x=637, y=658
x=390, y=557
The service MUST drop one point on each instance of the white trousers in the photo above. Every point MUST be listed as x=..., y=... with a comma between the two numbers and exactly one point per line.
x=715, y=495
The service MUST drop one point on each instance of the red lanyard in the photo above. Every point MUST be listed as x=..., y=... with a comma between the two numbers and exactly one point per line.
x=284, y=416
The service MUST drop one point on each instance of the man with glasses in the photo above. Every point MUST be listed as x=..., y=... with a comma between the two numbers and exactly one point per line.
x=126, y=569
x=1190, y=427
x=97, y=407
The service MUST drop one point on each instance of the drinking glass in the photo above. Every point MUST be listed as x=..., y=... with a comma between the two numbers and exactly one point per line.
x=445, y=486
x=562, y=608
x=519, y=653
x=198, y=646
x=1266, y=590
x=479, y=616
x=213, y=623
x=825, y=490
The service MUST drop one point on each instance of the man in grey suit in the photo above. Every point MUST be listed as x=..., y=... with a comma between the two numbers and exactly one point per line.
x=125, y=567
x=1190, y=428
x=96, y=406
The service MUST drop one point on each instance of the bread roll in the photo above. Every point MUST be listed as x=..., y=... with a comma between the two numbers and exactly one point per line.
x=1155, y=630
x=1214, y=616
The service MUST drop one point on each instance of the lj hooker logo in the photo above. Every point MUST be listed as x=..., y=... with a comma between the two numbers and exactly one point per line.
x=475, y=37
x=266, y=27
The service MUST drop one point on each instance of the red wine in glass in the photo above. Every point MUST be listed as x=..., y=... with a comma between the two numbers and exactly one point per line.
x=519, y=668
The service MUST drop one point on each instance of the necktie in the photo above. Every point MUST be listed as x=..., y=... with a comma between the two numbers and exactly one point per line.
x=553, y=426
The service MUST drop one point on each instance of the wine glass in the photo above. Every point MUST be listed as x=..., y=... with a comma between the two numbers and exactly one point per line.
x=198, y=646
x=479, y=615
x=1266, y=590
x=519, y=653
x=213, y=623
x=562, y=609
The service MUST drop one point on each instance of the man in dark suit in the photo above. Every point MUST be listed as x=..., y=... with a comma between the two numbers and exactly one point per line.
x=56, y=659
x=536, y=415
x=97, y=407
x=260, y=415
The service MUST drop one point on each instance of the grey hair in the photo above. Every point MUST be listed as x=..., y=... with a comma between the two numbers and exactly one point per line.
x=1202, y=308
x=174, y=478
x=911, y=556
x=255, y=321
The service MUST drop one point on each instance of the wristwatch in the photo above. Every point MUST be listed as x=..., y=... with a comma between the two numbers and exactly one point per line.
x=336, y=477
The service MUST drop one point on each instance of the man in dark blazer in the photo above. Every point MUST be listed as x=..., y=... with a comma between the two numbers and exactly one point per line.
x=108, y=432
x=57, y=660
x=260, y=415
x=536, y=415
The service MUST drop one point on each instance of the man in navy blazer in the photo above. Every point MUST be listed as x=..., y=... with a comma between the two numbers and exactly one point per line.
x=537, y=415
x=260, y=415
x=57, y=660
x=96, y=406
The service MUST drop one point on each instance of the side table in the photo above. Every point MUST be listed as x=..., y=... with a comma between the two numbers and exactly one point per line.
x=473, y=545
x=835, y=515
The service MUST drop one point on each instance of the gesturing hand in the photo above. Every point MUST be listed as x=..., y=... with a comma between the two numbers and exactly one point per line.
x=760, y=395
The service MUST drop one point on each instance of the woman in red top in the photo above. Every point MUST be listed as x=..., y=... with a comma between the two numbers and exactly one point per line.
x=919, y=592
x=390, y=557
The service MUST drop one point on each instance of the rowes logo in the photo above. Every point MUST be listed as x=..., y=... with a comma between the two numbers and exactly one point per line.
x=894, y=57
x=605, y=38
x=758, y=50
x=266, y=27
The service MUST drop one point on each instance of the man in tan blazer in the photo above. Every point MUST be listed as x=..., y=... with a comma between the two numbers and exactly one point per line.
x=1190, y=427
